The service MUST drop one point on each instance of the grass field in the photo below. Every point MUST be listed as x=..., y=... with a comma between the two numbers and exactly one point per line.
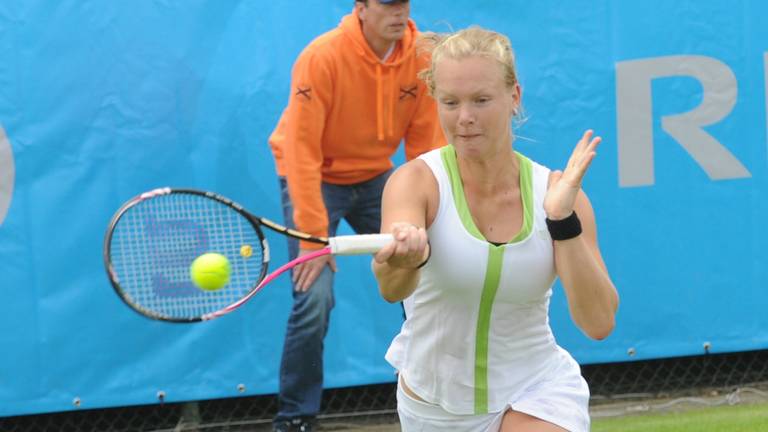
x=736, y=418
x=726, y=418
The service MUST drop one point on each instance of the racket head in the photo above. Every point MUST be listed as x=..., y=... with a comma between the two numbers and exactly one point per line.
x=152, y=240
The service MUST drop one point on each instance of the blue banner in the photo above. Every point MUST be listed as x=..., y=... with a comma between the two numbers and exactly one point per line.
x=100, y=101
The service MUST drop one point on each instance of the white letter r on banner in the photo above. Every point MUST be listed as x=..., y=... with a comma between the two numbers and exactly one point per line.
x=635, y=122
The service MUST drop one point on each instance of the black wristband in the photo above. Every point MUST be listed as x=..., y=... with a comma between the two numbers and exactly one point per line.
x=564, y=229
x=429, y=254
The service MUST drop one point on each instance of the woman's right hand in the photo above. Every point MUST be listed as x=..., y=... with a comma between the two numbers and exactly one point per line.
x=409, y=248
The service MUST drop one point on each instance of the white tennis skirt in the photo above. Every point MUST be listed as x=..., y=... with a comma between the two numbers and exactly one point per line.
x=562, y=399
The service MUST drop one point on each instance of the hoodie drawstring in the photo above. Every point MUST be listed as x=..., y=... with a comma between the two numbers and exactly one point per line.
x=392, y=98
x=379, y=105
x=385, y=108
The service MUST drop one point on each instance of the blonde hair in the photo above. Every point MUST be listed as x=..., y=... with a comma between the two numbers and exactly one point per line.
x=473, y=41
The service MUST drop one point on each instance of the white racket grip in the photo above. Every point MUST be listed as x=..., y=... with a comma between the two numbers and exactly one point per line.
x=358, y=244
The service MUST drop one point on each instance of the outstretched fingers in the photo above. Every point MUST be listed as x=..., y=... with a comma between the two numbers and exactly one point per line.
x=581, y=158
x=588, y=154
x=579, y=149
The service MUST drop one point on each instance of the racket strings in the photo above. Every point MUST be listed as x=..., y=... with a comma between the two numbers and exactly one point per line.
x=156, y=240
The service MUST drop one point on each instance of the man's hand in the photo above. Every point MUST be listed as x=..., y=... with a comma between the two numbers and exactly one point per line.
x=305, y=274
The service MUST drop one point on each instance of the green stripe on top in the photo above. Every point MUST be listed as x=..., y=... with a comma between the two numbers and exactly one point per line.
x=448, y=154
x=526, y=192
x=490, y=286
x=495, y=260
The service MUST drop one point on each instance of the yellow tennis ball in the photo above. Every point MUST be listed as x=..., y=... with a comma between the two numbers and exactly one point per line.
x=210, y=271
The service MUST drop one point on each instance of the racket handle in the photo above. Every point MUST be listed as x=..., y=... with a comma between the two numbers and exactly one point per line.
x=358, y=244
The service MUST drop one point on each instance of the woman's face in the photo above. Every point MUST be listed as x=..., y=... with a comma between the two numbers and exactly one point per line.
x=475, y=104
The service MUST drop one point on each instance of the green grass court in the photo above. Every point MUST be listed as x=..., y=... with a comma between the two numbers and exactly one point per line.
x=746, y=417
x=725, y=418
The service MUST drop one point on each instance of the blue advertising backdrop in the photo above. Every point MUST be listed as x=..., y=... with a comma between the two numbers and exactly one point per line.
x=102, y=100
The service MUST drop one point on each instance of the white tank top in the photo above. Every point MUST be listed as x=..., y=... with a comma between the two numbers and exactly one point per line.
x=477, y=331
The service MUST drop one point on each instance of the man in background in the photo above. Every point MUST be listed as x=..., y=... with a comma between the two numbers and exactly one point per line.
x=354, y=97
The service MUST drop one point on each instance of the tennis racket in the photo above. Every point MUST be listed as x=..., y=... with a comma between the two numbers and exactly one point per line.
x=153, y=239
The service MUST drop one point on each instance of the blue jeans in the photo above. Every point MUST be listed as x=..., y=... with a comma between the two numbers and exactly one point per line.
x=301, y=368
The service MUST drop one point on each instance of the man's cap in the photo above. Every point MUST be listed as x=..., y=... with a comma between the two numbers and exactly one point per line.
x=388, y=1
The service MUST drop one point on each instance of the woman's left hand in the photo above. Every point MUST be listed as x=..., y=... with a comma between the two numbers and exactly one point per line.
x=564, y=186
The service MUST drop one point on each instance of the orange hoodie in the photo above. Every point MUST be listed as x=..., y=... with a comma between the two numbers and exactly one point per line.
x=348, y=112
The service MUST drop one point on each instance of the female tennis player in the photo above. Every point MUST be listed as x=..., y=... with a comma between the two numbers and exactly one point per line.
x=476, y=352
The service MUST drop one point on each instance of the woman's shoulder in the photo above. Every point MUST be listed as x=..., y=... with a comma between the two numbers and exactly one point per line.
x=414, y=171
x=414, y=178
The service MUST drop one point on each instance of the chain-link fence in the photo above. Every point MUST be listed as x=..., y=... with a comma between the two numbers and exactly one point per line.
x=343, y=408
